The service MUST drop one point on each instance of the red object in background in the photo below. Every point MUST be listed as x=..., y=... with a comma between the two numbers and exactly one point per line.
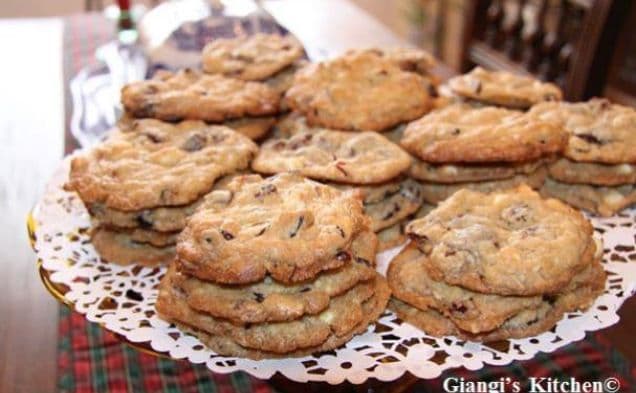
x=125, y=21
x=124, y=5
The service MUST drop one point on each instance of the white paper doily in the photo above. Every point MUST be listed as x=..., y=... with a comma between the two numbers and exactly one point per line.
x=122, y=300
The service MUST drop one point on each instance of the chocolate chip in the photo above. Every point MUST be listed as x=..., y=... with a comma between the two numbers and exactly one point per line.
x=551, y=299
x=172, y=118
x=516, y=214
x=265, y=190
x=477, y=86
x=299, y=142
x=342, y=233
x=154, y=138
x=194, y=143
x=392, y=212
x=339, y=166
x=306, y=289
x=457, y=131
x=458, y=307
x=261, y=231
x=146, y=110
x=343, y=256
x=589, y=138
x=279, y=145
x=259, y=297
x=227, y=235
x=144, y=220
x=298, y=225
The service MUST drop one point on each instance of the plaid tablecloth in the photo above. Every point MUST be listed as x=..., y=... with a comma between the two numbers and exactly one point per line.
x=91, y=359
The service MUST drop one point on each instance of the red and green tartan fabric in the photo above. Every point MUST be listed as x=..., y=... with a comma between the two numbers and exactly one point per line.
x=91, y=359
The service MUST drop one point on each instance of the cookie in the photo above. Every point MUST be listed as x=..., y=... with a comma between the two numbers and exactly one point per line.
x=269, y=301
x=435, y=193
x=154, y=238
x=395, y=235
x=460, y=133
x=190, y=95
x=251, y=58
x=455, y=173
x=254, y=128
x=343, y=315
x=358, y=91
x=604, y=201
x=287, y=226
x=527, y=323
x=468, y=310
x=120, y=248
x=161, y=219
x=506, y=243
x=567, y=171
x=389, y=203
x=284, y=79
x=158, y=164
x=353, y=158
x=371, y=310
x=503, y=88
x=599, y=131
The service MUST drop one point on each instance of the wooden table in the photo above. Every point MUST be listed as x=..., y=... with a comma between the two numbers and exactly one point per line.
x=32, y=139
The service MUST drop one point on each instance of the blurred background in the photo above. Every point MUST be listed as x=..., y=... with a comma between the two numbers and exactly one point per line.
x=587, y=46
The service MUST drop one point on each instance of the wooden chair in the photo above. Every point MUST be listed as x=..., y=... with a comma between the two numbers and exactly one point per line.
x=569, y=42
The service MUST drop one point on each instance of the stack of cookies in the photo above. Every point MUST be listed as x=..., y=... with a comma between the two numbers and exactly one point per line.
x=248, y=107
x=597, y=171
x=499, y=88
x=495, y=266
x=365, y=161
x=275, y=267
x=481, y=148
x=141, y=184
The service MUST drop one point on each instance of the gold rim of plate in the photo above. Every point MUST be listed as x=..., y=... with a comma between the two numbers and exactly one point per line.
x=58, y=291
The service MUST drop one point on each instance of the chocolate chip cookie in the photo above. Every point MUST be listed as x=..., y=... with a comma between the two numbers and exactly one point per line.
x=503, y=88
x=121, y=248
x=605, y=201
x=158, y=164
x=371, y=308
x=287, y=226
x=358, y=91
x=435, y=193
x=269, y=301
x=599, y=131
x=190, y=95
x=255, y=128
x=460, y=133
x=470, y=311
x=456, y=173
x=339, y=156
x=529, y=322
x=161, y=219
x=506, y=243
x=388, y=203
x=568, y=171
x=254, y=57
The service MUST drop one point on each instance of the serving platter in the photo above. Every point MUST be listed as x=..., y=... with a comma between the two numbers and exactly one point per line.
x=121, y=299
